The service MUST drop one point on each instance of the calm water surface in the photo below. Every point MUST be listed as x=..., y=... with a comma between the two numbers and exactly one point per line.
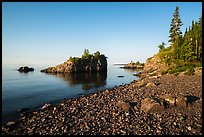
x=34, y=89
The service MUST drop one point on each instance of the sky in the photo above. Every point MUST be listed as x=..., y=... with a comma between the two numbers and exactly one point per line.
x=51, y=32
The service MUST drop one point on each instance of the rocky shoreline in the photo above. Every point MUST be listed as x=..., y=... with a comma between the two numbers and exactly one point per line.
x=117, y=111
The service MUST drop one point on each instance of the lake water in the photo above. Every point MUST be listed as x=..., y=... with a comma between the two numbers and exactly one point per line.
x=34, y=89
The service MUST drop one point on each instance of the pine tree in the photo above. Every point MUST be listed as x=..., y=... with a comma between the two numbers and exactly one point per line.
x=162, y=46
x=200, y=39
x=175, y=33
x=176, y=23
x=86, y=54
x=191, y=49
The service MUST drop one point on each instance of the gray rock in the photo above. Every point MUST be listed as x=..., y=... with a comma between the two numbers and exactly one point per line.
x=151, y=106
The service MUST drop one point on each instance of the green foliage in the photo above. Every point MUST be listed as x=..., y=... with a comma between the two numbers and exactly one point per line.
x=164, y=72
x=185, y=52
x=97, y=54
x=86, y=54
x=74, y=59
x=176, y=74
x=138, y=63
x=167, y=55
x=162, y=46
x=176, y=23
x=181, y=67
x=190, y=71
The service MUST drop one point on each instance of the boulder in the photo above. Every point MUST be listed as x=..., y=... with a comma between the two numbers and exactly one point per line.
x=123, y=105
x=151, y=84
x=168, y=100
x=149, y=105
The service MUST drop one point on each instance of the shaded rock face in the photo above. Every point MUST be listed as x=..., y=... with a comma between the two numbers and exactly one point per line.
x=25, y=69
x=82, y=65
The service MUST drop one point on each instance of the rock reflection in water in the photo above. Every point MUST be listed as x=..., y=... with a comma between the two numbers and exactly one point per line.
x=88, y=80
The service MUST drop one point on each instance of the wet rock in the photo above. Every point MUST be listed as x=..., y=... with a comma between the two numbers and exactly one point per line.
x=46, y=106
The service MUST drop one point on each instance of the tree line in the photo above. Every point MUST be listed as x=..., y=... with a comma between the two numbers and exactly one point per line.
x=187, y=47
x=87, y=55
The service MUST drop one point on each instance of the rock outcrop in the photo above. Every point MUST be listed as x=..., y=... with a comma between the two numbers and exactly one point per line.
x=25, y=69
x=91, y=64
x=154, y=64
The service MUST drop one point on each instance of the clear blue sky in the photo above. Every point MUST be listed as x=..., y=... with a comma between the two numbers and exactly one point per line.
x=49, y=33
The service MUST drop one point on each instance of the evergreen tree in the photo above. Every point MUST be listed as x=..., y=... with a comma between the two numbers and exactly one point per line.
x=175, y=33
x=191, y=49
x=200, y=39
x=161, y=46
x=176, y=23
x=86, y=54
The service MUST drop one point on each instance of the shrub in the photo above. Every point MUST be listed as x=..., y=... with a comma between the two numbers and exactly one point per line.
x=180, y=69
x=74, y=59
x=164, y=72
x=171, y=71
x=86, y=54
x=190, y=72
x=97, y=55
x=162, y=46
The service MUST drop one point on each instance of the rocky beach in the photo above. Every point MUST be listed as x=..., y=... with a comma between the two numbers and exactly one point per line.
x=88, y=94
x=129, y=109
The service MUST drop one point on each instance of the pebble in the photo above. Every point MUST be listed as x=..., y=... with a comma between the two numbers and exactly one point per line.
x=188, y=127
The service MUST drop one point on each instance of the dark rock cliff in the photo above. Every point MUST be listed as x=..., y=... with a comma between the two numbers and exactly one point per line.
x=90, y=64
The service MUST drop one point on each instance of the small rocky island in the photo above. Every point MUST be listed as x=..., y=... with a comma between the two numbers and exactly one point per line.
x=25, y=69
x=133, y=65
x=87, y=63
